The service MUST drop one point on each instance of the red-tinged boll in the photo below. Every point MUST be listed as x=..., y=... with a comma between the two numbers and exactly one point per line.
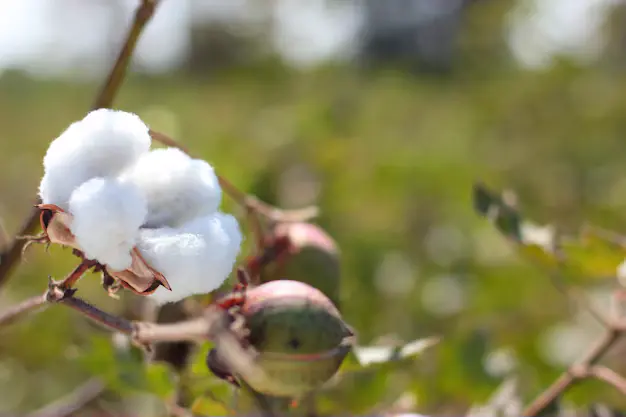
x=299, y=334
x=288, y=316
x=314, y=259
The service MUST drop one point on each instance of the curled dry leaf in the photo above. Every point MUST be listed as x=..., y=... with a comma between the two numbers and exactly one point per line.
x=140, y=278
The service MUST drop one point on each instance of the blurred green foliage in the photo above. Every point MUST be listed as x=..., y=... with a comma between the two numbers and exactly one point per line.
x=391, y=159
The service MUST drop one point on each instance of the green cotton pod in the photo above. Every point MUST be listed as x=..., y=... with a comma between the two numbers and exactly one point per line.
x=314, y=260
x=298, y=333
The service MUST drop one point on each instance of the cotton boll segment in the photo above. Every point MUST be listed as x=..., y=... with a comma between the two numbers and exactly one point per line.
x=107, y=217
x=57, y=185
x=119, y=137
x=195, y=259
x=177, y=187
x=102, y=144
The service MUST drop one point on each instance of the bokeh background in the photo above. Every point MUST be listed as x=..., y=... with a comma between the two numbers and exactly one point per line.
x=383, y=113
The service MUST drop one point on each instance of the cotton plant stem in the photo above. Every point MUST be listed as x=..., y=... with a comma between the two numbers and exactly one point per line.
x=10, y=257
x=70, y=404
x=574, y=374
x=610, y=377
x=23, y=309
x=117, y=74
x=56, y=291
x=107, y=320
x=213, y=325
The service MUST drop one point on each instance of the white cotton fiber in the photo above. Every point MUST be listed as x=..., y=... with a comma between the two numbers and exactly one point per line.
x=107, y=217
x=196, y=258
x=57, y=185
x=177, y=187
x=102, y=144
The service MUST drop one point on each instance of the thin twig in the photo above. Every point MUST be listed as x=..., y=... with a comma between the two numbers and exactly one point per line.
x=213, y=325
x=72, y=278
x=73, y=402
x=574, y=374
x=10, y=257
x=107, y=320
x=164, y=139
x=22, y=309
x=56, y=291
x=185, y=331
x=118, y=72
x=610, y=377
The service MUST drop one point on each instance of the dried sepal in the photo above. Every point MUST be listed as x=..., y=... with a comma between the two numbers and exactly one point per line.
x=140, y=278
x=55, y=223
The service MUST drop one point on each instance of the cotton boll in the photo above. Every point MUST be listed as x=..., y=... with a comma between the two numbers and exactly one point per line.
x=177, y=187
x=102, y=144
x=107, y=217
x=119, y=137
x=63, y=147
x=196, y=258
x=57, y=185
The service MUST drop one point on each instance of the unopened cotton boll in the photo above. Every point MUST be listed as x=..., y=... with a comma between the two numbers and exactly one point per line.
x=177, y=187
x=102, y=144
x=196, y=258
x=107, y=216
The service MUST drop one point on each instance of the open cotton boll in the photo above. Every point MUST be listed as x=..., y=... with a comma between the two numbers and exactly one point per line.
x=102, y=144
x=177, y=187
x=107, y=217
x=57, y=185
x=196, y=258
x=113, y=139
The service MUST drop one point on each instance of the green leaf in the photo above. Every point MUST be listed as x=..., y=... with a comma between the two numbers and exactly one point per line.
x=198, y=362
x=534, y=242
x=208, y=406
x=101, y=360
x=503, y=214
x=594, y=252
x=363, y=379
x=160, y=380
x=124, y=368
x=375, y=358
x=201, y=385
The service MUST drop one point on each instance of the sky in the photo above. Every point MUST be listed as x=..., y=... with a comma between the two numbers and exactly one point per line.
x=77, y=37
